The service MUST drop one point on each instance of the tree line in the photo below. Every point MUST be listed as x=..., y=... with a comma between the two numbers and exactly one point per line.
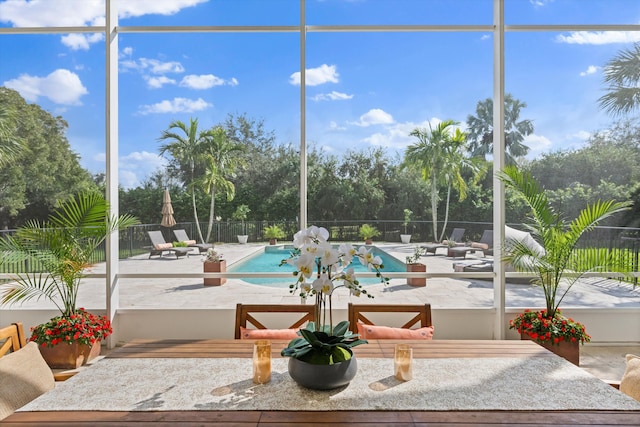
x=238, y=169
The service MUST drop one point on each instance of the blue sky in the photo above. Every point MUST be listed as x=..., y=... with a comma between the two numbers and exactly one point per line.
x=363, y=89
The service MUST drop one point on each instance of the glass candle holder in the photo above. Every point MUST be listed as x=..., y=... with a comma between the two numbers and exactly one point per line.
x=402, y=362
x=262, y=362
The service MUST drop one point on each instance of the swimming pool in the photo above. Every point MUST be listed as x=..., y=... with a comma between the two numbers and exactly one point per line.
x=268, y=261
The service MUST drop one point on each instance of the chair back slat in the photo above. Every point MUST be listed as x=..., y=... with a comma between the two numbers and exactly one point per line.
x=421, y=318
x=245, y=314
x=13, y=337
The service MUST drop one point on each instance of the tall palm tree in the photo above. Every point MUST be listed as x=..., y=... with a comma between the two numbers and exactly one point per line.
x=221, y=162
x=560, y=264
x=185, y=145
x=622, y=75
x=439, y=155
x=480, y=129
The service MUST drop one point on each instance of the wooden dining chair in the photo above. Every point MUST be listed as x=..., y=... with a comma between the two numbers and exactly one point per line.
x=249, y=315
x=12, y=339
x=419, y=325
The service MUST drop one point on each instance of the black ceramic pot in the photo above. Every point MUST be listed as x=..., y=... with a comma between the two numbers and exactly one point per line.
x=323, y=377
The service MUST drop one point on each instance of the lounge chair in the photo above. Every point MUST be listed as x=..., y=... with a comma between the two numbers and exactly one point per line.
x=181, y=236
x=484, y=245
x=159, y=246
x=455, y=239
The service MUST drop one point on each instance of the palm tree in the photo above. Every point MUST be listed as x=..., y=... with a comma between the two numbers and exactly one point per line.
x=64, y=246
x=185, y=147
x=221, y=162
x=560, y=262
x=480, y=133
x=622, y=75
x=439, y=155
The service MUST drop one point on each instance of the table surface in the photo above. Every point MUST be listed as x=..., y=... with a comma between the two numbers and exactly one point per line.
x=167, y=349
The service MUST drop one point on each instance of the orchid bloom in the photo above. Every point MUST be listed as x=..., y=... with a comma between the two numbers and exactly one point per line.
x=348, y=252
x=367, y=258
x=328, y=255
x=306, y=264
x=323, y=285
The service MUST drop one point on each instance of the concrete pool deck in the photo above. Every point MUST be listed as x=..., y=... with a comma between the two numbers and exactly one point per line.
x=440, y=292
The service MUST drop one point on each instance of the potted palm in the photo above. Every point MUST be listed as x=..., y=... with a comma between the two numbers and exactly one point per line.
x=558, y=265
x=321, y=358
x=273, y=233
x=367, y=233
x=406, y=237
x=415, y=266
x=64, y=246
x=240, y=214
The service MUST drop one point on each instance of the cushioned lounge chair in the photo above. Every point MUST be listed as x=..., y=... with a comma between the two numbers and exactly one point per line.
x=159, y=246
x=455, y=238
x=181, y=236
x=485, y=244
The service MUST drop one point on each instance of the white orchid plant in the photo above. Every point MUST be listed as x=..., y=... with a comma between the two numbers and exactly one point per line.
x=321, y=268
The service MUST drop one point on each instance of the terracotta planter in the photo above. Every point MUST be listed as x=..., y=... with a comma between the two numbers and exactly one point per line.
x=215, y=267
x=566, y=349
x=416, y=268
x=70, y=356
x=368, y=242
x=273, y=241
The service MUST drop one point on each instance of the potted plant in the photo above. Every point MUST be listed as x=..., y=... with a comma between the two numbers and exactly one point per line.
x=415, y=266
x=406, y=237
x=367, y=233
x=273, y=233
x=322, y=358
x=213, y=262
x=64, y=246
x=240, y=214
x=558, y=265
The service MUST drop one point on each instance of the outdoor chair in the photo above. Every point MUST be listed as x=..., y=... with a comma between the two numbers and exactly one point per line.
x=181, y=236
x=24, y=374
x=159, y=246
x=455, y=239
x=419, y=325
x=256, y=314
x=485, y=244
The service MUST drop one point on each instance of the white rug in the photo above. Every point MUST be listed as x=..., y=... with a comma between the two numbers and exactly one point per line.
x=438, y=384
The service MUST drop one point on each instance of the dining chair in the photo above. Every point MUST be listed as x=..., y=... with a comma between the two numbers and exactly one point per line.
x=255, y=314
x=419, y=325
x=24, y=374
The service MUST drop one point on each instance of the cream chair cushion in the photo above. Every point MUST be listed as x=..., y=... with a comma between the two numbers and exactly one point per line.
x=24, y=375
x=630, y=383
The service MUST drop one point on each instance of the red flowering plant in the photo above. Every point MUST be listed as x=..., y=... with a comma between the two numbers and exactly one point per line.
x=81, y=327
x=64, y=247
x=539, y=326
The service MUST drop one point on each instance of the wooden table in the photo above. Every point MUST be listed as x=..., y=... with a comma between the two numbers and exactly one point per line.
x=238, y=348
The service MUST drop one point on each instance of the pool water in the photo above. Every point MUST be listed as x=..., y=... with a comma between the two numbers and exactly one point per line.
x=269, y=262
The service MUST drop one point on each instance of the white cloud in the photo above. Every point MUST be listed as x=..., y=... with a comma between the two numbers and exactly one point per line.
x=45, y=13
x=537, y=144
x=177, y=105
x=591, y=69
x=485, y=37
x=599, y=37
x=316, y=76
x=135, y=167
x=332, y=96
x=540, y=3
x=158, y=82
x=81, y=41
x=335, y=127
x=375, y=116
x=61, y=86
x=397, y=136
x=158, y=67
x=205, y=81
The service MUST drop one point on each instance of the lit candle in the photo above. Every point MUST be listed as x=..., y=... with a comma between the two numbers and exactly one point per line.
x=262, y=362
x=402, y=362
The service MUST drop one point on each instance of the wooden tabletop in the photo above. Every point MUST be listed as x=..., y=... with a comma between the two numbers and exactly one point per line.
x=239, y=348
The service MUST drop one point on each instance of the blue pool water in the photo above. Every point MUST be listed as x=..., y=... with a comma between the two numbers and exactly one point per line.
x=269, y=261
